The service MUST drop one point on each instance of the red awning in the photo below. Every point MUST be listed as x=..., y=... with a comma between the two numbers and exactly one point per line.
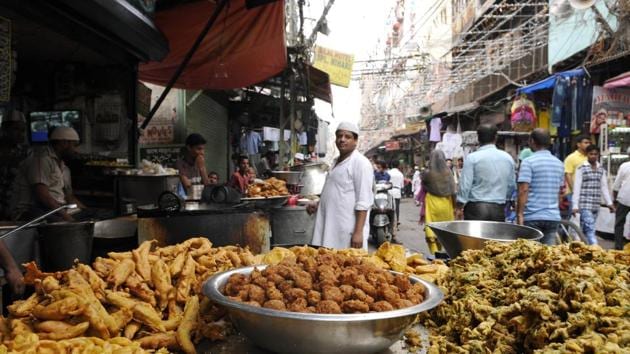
x=243, y=47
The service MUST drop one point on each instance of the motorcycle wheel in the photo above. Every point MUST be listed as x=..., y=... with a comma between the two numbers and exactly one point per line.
x=382, y=236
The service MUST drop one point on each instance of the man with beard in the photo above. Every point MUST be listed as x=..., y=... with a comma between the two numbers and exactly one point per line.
x=43, y=180
x=342, y=212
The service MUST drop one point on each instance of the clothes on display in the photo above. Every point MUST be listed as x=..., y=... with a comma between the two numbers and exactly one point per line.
x=436, y=126
x=451, y=145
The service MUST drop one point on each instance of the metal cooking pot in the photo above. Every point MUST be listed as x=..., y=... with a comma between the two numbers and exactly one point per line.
x=22, y=244
x=313, y=178
x=291, y=177
x=63, y=242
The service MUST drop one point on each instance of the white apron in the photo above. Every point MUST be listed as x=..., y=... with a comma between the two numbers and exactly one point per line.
x=348, y=187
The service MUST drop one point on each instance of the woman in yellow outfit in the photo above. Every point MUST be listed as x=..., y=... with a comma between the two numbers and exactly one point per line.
x=440, y=189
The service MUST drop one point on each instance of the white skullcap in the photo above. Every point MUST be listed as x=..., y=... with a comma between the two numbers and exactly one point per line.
x=348, y=126
x=299, y=156
x=64, y=133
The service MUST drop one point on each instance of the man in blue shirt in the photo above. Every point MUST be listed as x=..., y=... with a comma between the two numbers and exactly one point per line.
x=539, y=182
x=487, y=180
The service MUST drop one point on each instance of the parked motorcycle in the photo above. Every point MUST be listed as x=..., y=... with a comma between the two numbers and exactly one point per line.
x=382, y=215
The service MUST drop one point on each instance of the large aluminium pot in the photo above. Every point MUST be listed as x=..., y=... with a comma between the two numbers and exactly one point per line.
x=313, y=178
x=62, y=242
x=22, y=244
x=292, y=225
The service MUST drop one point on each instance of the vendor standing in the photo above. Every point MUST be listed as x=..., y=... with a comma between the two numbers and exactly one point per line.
x=43, y=181
x=192, y=164
x=342, y=212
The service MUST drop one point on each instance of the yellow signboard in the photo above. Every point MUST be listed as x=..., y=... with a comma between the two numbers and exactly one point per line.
x=336, y=64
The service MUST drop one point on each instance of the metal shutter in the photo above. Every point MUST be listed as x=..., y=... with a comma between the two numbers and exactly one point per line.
x=210, y=119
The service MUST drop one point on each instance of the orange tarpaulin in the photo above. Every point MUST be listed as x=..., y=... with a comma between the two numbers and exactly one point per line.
x=243, y=46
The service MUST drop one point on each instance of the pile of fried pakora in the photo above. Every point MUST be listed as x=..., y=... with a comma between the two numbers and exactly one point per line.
x=325, y=282
x=143, y=299
x=271, y=187
x=525, y=297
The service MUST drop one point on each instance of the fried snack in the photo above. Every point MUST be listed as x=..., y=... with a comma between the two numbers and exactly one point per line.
x=131, y=329
x=189, y=321
x=136, y=285
x=121, y=271
x=271, y=187
x=160, y=340
x=161, y=278
x=96, y=283
x=347, y=286
x=186, y=279
x=177, y=264
x=57, y=330
x=394, y=255
x=24, y=308
x=141, y=257
x=525, y=297
x=60, y=309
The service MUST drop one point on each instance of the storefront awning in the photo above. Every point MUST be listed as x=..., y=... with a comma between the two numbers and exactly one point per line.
x=319, y=84
x=243, y=47
x=549, y=82
x=622, y=80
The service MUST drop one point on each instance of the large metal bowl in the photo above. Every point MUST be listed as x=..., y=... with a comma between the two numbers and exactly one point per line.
x=293, y=332
x=291, y=177
x=457, y=236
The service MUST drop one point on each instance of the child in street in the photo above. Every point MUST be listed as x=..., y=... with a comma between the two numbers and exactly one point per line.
x=589, y=187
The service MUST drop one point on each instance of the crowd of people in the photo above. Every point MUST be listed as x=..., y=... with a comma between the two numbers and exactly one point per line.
x=540, y=188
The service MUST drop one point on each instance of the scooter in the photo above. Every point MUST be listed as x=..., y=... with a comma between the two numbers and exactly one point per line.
x=382, y=215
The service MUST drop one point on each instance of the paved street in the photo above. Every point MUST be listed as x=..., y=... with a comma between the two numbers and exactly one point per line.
x=412, y=235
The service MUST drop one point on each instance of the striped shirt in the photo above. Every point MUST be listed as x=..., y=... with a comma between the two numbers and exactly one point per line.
x=545, y=175
x=589, y=186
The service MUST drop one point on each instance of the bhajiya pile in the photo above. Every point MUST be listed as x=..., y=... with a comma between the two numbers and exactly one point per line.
x=145, y=299
x=271, y=187
x=326, y=282
x=525, y=297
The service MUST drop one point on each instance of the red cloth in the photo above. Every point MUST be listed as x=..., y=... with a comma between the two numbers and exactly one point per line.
x=249, y=45
x=239, y=182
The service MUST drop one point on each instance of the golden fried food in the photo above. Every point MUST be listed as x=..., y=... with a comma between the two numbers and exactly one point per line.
x=271, y=187
x=60, y=309
x=57, y=330
x=160, y=340
x=121, y=271
x=141, y=258
x=189, y=322
x=341, y=284
x=161, y=278
x=525, y=297
x=24, y=308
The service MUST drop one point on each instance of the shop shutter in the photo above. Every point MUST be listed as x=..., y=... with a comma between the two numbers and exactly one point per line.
x=210, y=119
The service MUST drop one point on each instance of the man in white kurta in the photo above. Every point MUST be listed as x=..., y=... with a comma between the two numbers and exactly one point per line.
x=347, y=196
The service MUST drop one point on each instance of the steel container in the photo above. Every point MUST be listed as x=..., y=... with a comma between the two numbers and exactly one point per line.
x=62, y=242
x=22, y=244
x=292, y=225
x=314, y=177
x=293, y=332
x=291, y=177
x=457, y=236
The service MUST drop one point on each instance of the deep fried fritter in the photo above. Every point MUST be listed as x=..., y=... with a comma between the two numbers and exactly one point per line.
x=275, y=305
x=273, y=293
x=347, y=291
x=255, y=293
x=349, y=276
x=295, y=293
x=366, y=287
x=313, y=297
x=332, y=293
x=299, y=305
x=355, y=306
x=358, y=294
x=328, y=306
x=402, y=303
x=381, y=306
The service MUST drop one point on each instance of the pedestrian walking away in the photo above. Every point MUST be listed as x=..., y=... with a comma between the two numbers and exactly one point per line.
x=397, y=180
x=439, y=197
x=487, y=180
x=540, y=181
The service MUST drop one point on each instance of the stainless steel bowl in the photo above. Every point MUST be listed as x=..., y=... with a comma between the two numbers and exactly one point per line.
x=457, y=236
x=293, y=332
x=291, y=177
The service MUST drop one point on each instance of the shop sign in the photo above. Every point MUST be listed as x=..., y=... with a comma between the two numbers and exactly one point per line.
x=392, y=145
x=161, y=129
x=143, y=99
x=611, y=107
x=336, y=64
x=164, y=155
x=5, y=59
